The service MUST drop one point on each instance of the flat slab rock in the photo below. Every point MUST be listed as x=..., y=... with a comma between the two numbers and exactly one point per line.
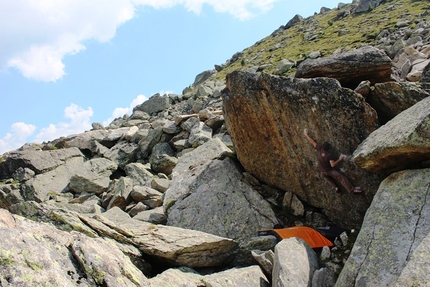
x=401, y=143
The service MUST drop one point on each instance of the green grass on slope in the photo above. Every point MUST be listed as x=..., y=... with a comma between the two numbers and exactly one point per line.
x=323, y=33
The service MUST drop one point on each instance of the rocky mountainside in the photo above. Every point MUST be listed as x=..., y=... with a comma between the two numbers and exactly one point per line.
x=175, y=193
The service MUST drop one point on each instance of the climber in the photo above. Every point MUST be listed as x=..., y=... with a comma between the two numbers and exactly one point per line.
x=327, y=163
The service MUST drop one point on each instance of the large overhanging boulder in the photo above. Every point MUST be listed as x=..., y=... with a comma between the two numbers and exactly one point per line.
x=403, y=142
x=266, y=115
x=350, y=68
x=392, y=248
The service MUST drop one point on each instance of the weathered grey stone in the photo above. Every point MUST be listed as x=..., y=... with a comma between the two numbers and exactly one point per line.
x=189, y=166
x=203, y=76
x=153, y=105
x=366, y=5
x=122, y=153
x=37, y=160
x=236, y=210
x=23, y=174
x=175, y=277
x=35, y=253
x=138, y=173
x=265, y=259
x=139, y=207
x=148, y=142
x=172, y=245
x=43, y=186
x=93, y=176
x=155, y=216
x=401, y=143
x=349, y=68
x=199, y=134
x=394, y=238
x=295, y=263
x=150, y=197
x=105, y=263
x=121, y=190
x=162, y=158
x=324, y=277
x=296, y=19
x=9, y=195
x=293, y=204
x=251, y=276
x=390, y=99
x=171, y=128
x=284, y=66
x=278, y=154
x=160, y=184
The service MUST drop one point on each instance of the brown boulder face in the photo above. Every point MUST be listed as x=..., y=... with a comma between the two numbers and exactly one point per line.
x=266, y=116
x=350, y=68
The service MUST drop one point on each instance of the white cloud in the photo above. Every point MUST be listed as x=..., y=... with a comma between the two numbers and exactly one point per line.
x=119, y=112
x=37, y=35
x=17, y=137
x=79, y=122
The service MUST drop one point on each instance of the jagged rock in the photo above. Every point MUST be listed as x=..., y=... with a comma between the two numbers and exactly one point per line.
x=284, y=66
x=147, y=195
x=265, y=259
x=82, y=141
x=162, y=158
x=9, y=195
x=237, y=210
x=122, y=153
x=366, y=5
x=215, y=122
x=45, y=185
x=93, y=176
x=184, y=277
x=292, y=203
x=172, y=245
x=155, y=216
x=160, y=184
x=199, y=134
x=37, y=160
x=136, y=209
x=189, y=166
x=401, y=143
x=153, y=105
x=394, y=240
x=121, y=190
x=148, y=142
x=139, y=173
x=203, y=76
x=349, y=68
x=295, y=263
x=363, y=89
x=296, y=19
x=324, y=277
x=171, y=128
x=251, y=276
x=277, y=153
x=23, y=174
x=390, y=99
x=425, y=78
x=37, y=253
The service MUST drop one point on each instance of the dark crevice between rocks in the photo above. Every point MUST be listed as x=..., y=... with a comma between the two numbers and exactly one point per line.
x=78, y=275
x=411, y=250
x=117, y=174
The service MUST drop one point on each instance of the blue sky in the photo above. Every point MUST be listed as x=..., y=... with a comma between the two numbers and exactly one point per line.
x=65, y=64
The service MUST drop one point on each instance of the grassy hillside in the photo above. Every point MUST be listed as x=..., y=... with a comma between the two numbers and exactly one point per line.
x=328, y=32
